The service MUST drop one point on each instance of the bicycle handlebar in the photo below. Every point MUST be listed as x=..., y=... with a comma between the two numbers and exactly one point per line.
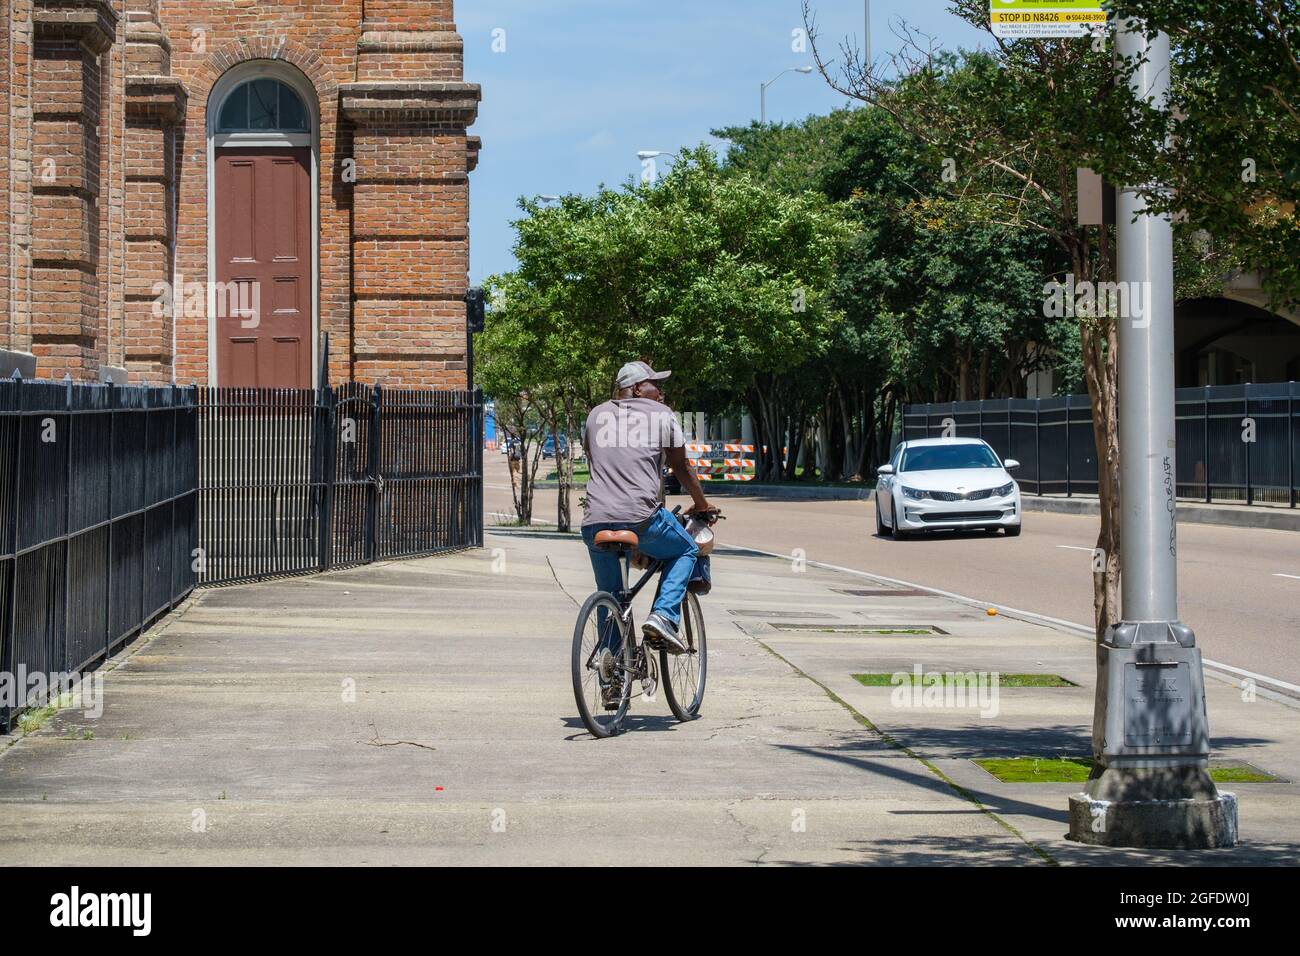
x=712, y=516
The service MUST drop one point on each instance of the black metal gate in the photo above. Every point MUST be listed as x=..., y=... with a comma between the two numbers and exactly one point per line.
x=299, y=481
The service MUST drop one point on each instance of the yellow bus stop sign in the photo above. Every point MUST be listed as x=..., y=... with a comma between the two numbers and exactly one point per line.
x=1015, y=19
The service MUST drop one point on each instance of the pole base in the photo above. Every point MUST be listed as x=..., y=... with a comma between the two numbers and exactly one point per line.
x=1190, y=824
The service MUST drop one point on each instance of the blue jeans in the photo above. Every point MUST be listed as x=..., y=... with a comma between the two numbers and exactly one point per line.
x=664, y=539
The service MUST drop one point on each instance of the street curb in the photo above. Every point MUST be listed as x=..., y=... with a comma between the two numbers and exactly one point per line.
x=1276, y=519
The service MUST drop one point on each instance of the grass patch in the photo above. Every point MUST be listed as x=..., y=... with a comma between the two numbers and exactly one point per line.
x=1004, y=680
x=30, y=721
x=1038, y=769
x=581, y=475
x=1240, y=774
x=858, y=629
x=34, y=718
x=1076, y=770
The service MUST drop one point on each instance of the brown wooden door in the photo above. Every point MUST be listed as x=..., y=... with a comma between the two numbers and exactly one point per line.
x=264, y=295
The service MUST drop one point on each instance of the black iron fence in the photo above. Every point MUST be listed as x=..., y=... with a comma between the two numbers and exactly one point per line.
x=98, y=490
x=115, y=502
x=1236, y=443
x=297, y=481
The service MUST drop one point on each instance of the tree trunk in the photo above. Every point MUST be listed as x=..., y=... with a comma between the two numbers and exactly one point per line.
x=1099, y=341
x=564, y=471
x=765, y=409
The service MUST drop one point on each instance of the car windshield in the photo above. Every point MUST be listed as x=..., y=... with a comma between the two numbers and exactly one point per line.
x=946, y=457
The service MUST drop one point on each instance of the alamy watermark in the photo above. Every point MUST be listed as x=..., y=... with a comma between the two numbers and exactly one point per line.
x=1130, y=301
x=20, y=688
x=240, y=299
x=946, y=689
x=634, y=428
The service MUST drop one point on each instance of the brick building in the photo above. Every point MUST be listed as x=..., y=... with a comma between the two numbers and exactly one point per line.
x=196, y=190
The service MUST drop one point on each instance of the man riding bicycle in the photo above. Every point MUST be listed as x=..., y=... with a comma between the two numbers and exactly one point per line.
x=627, y=439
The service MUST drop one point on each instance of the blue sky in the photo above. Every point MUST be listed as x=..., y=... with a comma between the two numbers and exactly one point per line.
x=583, y=84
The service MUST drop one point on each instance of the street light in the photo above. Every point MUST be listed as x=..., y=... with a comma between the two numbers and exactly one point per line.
x=648, y=171
x=762, y=89
x=1150, y=784
x=549, y=198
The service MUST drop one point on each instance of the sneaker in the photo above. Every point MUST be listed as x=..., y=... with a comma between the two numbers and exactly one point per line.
x=661, y=631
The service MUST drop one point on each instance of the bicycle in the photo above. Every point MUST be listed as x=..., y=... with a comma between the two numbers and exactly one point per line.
x=605, y=623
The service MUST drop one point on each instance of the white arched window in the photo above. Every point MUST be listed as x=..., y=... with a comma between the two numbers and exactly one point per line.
x=263, y=104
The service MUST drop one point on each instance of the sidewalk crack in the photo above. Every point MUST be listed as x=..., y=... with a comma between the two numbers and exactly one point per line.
x=749, y=832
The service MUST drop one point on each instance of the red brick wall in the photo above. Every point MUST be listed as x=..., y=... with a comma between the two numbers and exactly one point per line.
x=16, y=123
x=129, y=207
x=6, y=187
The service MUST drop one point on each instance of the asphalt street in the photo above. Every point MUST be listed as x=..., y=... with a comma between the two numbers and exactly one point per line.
x=1239, y=588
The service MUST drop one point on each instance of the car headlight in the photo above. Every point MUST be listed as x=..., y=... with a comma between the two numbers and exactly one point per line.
x=915, y=493
x=1005, y=490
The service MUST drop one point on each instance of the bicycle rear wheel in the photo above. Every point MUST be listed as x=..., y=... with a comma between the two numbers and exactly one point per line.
x=602, y=653
x=684, y=674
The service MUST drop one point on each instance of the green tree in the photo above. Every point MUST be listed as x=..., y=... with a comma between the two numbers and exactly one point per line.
x=1014, y=125
x=1229, y=150
x=721, y=278
x=938, y=303
x=504, y=369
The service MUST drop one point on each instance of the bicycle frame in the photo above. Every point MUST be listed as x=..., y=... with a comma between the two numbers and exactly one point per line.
x=626, y=596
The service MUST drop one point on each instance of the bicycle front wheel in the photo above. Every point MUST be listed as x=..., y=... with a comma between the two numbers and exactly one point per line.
x=684, y=674
x=602, y=665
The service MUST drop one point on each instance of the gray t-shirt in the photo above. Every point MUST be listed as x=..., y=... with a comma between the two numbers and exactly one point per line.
x=625, y=439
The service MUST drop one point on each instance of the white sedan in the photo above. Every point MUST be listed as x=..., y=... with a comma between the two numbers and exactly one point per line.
x=946, y=484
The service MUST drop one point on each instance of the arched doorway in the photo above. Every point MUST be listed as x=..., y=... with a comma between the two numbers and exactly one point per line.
x=263, y=255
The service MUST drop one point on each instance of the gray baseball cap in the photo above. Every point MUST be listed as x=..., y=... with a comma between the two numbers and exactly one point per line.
x=635, y=372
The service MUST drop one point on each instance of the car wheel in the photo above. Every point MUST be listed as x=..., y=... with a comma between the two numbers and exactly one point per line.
x=895, y=532
x=1013, y=531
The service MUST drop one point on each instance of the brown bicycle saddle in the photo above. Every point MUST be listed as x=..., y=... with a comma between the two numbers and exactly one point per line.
x=616, y=539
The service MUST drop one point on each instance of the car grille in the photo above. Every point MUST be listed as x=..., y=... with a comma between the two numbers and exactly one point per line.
x=945, y=516
x=956, y=496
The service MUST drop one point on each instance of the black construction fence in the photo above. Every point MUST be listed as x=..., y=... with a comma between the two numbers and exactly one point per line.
x=117, y=501
x=1236, y=443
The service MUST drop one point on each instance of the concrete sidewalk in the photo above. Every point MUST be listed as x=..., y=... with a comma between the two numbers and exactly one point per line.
x=421, y=713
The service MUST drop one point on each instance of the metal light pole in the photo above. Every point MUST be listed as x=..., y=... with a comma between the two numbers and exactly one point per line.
x=866, y=19
x=762, y=90
x=1150, y=784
